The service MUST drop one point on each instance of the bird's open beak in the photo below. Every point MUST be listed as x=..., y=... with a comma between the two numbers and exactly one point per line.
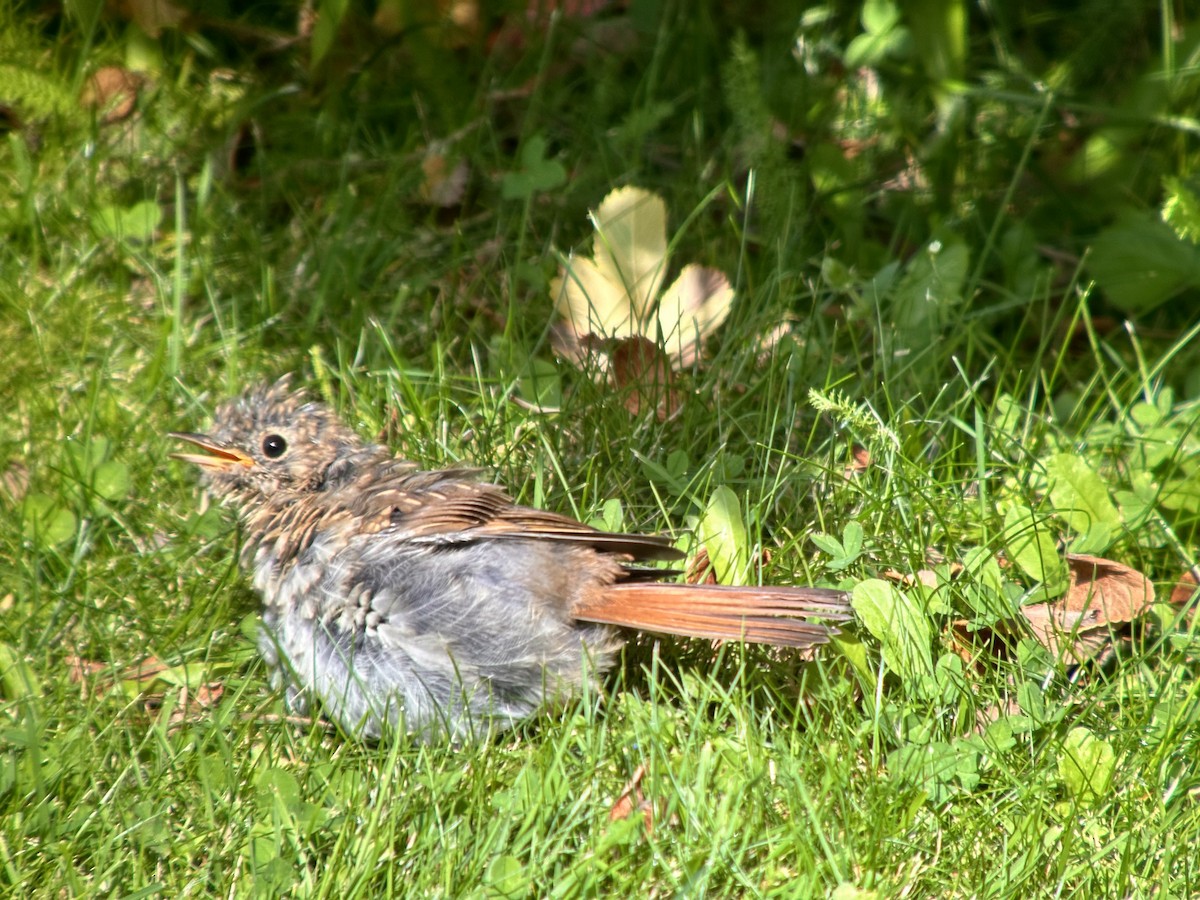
x=220, y=458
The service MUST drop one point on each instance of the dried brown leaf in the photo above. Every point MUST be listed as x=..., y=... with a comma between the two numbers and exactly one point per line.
x=14, y=481
x=860, y=460
x=1102, y=593
x=632, y=800
x=700, y=570
x=78, y=668
x=444, y=182
x=926, y=577
x=692, y=308
x=1184, y=589
x=641, y=372
x=112, y=91
x=1118, y=592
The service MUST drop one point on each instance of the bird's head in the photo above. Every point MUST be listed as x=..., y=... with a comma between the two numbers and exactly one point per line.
x=271, y=439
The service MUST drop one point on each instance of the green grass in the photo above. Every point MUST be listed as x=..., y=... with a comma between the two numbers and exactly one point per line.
x=888, y=767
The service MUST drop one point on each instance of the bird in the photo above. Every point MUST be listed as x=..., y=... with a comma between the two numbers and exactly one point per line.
x=428, y=602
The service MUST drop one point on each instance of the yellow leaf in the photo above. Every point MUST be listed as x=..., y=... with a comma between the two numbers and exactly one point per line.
x=630, y=247
x=691, y=309
x=590, y=302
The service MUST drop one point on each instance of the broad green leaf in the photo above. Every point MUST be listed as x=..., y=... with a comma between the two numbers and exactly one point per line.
x=86, y=455
x=541, y=384
x=852, y=539
x=612, y=516
x=1137, y=504
x=1145, y=414
x=722, y=531
x=1140, y=264
x=940, y=42
x=507, y=877
x=325, y=28
x=1079, y=495
x=1004, y=420
x=835, y=273
x=879, y=15
x=1032, y=548
x=536, y=174
x=931, y=286
x=828, y=543
x=899, y=624
x=45, y=522
x=16, y=677
x=933, y=767
x=1086, y=766
x=1095, y=541
x=856, y=652
x=1181, y=209
x=111, y=480
x=1181, y=494
x=132, y=223
x=275, y=783
x=1032, y=702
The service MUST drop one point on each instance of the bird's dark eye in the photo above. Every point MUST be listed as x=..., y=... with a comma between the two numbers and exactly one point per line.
x=274, y=446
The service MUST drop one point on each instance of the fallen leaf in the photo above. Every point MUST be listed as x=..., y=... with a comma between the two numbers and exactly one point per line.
x=700, y=570
x=148, y=680
x=79, y=668
x=631, y=799
x=1185, y=588
x=1101, y=593
x=14, y=481
x=112, y=91
x=641, y=373
x=690, y=309
x=608, y=293
x=444, y=182
x=860, y=458
x=615, y=292
x=926, y=577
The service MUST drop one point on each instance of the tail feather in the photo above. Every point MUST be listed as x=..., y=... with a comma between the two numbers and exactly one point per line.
x=761, y=615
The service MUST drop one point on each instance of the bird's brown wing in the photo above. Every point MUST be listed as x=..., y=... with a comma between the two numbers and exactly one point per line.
x=447, y=506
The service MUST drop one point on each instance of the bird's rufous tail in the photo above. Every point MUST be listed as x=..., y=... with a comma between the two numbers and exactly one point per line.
x=761, y=615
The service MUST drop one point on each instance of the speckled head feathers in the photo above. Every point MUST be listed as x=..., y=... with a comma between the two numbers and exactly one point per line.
x=271, y=438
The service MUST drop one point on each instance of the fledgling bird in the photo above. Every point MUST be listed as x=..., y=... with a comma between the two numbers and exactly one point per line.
x=429, y=601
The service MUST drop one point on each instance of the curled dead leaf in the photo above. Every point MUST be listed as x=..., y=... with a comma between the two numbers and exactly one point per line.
x=149, y=679
x=112, y=91
x=642, y=374
x=860, y=461
x=631, y=799
x=700, y=570
x=1102, y=593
